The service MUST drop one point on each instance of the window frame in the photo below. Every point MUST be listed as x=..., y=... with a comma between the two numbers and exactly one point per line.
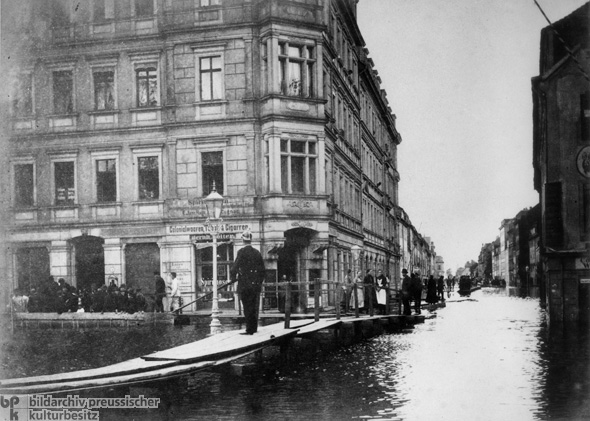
x=23, y=161
x=307, y=60
x=108, y=11
x=208, y=52
x=202, y=168
x=100, y=156
x=146, y=66
x=72, y=93
x=145, y=153
x=104, y=69
x=146, y=16
x=64, y=159
x=289, y=154
x=17, y=93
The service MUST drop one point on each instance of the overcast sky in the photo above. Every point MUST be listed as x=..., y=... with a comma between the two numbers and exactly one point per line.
x=458, y=77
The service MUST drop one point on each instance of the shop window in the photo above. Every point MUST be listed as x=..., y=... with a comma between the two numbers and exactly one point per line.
x=104, y=10
x=63, y=92
x=297, y=63
x=144, y=8
x=24, y=185
x=298, y=166
x=65, y=190
x=147, y=87
x=106, y=180
x=104, y=90
x=212, y=172
x=225, y=258
x=211, y=78
x=148, y=177
x=22, y=103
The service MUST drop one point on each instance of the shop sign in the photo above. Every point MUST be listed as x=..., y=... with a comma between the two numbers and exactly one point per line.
x=206, y=238
x=583, y=263
x=232, y=206
x=199, y=229
x=585, y=281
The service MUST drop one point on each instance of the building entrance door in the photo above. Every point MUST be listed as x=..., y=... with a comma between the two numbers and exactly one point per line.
x=89, y=261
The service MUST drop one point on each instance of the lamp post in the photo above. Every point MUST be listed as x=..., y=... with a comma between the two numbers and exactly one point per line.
x=214, y=203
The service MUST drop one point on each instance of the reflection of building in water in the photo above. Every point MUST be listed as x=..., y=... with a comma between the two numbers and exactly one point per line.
x=127, y=112
x=561, y=100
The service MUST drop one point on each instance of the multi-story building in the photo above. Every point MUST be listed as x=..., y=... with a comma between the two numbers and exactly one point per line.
x=439, y=266
x=505, y=244
x=125, y=114
x=561, y=160
x=496, y=256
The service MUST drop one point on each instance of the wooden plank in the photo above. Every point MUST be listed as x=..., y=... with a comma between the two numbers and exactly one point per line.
x=223, y=344
x=319, y=325
x=135, y=365
x=125, y=380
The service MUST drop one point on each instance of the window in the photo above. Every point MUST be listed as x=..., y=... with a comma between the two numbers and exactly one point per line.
x=63, y=92
x=148, y=177
x=298, y=166
x=24, y=185
x=212, y=172
x=211, y=78
x=104, y=10
x=106, y=180
x=297, y=65
x=104, y=90
x=144, y=8
x=22, y=103
x=65, y=191
x=147, y=87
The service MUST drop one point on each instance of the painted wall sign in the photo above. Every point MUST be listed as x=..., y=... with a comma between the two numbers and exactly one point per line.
x=204, y=229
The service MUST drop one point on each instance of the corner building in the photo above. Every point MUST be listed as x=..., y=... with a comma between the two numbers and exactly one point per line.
x=123, y=114
x=561, y=160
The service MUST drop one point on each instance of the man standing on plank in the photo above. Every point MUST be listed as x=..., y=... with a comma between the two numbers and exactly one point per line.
x=249, y=270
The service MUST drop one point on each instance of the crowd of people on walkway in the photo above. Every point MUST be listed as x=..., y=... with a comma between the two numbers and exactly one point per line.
x=52, y=296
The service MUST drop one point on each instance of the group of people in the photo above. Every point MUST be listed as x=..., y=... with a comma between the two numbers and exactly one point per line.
x=60, y=297
x=365, y=292
x=412, y=287
x=167, y=294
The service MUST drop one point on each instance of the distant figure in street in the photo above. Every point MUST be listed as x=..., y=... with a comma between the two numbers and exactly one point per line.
x=347, y=290
x=370, y=292
x=160, y=292
x=174, y=291
x=431, y=297
x=357, y=291
x=248, y=268
x=417, y=293
x=440, y=288
x=407, y=293
x=381, y=284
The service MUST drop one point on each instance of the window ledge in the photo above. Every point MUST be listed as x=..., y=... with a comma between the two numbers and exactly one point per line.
x=64, y=207
x=106, y=204
x=104, y=112
x=145, y=109
x=69, y=115
x=212, y=102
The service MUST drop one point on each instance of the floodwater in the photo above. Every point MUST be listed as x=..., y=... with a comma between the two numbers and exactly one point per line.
x=489, y=357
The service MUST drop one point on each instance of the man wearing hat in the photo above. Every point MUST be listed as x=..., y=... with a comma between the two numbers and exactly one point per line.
x=406, y=292
x=249, y=270
x=160, y=292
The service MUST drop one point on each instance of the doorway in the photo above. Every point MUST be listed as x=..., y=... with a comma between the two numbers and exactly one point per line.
x=89, y=261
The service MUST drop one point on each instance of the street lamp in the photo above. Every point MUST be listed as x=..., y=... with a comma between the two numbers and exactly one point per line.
x=214, y=204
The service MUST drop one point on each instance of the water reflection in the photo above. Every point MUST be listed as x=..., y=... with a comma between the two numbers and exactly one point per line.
x=491, y=357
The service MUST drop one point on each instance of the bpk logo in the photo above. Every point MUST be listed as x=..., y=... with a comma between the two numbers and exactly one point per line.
x=13, y=408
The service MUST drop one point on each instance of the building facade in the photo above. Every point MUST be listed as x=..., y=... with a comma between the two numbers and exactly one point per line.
x=125, y=114
x=561, y=160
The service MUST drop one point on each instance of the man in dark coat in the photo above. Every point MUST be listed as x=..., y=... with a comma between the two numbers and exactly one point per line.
x=370, y=293
x=407, y=293
x=248, y=268
x=160, y=292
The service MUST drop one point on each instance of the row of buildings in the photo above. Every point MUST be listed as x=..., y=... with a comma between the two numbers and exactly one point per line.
x=548, y=246
x=125, y=114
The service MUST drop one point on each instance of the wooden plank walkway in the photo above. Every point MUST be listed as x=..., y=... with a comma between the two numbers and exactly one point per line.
x=184, y=359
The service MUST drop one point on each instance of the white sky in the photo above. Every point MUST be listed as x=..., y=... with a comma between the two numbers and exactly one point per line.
x=458, y=77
